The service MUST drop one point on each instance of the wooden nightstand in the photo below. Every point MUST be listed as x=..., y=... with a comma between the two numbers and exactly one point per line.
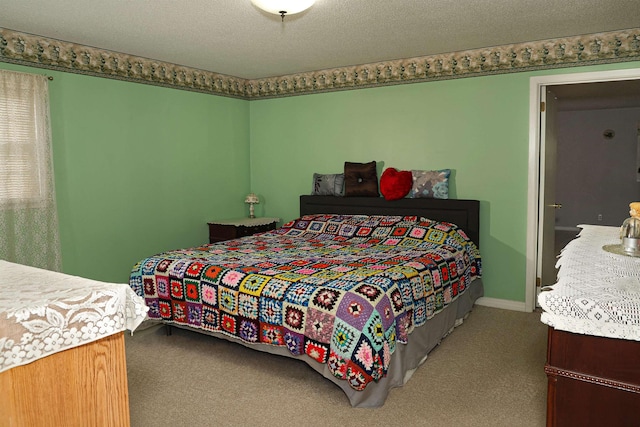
x=234, y=228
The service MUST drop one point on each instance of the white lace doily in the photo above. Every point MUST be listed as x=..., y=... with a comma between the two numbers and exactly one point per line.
x=43, y=312
x=597, y=292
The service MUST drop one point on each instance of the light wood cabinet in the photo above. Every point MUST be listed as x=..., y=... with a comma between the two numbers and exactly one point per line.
x=84, y=386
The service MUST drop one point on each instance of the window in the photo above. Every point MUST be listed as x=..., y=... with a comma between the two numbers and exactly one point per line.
x=23, y=144
x=28, y=216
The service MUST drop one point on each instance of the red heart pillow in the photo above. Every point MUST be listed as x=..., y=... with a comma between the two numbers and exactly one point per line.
x=395, y=184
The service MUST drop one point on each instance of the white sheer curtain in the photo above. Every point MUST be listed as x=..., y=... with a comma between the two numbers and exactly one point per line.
x=28, y=216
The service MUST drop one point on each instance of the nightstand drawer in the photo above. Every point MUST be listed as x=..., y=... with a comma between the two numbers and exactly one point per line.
x=233, y=229
x=220, y=232
x=243, y=231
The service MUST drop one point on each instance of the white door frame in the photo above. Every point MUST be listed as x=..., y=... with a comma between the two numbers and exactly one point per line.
x=535, y=86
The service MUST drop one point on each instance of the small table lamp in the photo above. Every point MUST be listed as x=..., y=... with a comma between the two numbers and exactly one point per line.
x=251, y=199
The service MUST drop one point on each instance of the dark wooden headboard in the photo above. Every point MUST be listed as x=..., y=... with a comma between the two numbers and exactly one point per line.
x=464, y=213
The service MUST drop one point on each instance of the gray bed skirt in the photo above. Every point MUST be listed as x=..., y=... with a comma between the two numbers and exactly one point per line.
x=404, y=361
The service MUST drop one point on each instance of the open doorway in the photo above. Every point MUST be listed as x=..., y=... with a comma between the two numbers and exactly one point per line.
x=597, y=154
x=575, y=92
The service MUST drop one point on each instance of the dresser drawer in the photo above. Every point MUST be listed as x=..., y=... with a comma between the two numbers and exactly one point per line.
x=591, y=381
x=610, y=358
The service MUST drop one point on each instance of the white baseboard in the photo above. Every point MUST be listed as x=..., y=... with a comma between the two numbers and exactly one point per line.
x=501, y=303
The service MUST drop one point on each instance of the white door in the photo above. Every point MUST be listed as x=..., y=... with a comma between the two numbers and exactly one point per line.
x=536, y=179
x=548, y=204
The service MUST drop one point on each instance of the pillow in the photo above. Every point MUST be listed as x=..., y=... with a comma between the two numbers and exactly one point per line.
x=395, y=184
x=347, y=225
x=430, y=184
x=328, y=184
x=360, y=179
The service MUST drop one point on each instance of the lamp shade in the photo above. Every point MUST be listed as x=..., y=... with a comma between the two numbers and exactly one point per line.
x=252, y=199
x=281, y=7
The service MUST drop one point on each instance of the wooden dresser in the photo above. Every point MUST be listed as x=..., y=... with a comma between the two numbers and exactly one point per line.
x=80, y=387
x=593, y=352
x=63, y=344
x=592, y=381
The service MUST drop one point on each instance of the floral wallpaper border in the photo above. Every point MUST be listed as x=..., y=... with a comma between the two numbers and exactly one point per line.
x=32, y=50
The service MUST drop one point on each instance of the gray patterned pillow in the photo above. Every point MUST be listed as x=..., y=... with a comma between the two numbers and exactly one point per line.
x=430, y=184
x=328, y=184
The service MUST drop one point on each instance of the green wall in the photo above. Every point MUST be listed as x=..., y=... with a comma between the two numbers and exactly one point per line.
x=478, y=127
x=140, y=169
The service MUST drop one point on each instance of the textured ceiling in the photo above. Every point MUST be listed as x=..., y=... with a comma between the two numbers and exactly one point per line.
x=233, y=37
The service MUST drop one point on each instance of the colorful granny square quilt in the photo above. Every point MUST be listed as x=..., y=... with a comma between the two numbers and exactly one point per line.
x=344, y=290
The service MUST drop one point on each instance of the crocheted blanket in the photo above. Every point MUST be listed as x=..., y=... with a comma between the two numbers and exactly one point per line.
x=344, y=290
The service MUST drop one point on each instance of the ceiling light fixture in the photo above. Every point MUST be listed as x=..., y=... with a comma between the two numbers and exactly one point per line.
x=283, y=7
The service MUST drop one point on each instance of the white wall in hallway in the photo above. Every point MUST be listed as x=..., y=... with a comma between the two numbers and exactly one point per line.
x=596, y=176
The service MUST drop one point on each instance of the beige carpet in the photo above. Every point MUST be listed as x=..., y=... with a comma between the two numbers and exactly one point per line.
x=488, y=372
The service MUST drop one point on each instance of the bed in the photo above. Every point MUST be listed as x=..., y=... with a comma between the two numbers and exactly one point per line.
x=359, y=288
